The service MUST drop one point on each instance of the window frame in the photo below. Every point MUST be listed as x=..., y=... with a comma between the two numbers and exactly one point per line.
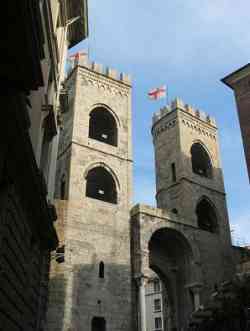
x=157, y=305
x=157, y=286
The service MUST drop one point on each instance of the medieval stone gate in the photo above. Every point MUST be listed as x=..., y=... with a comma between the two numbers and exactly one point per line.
x=160, y=243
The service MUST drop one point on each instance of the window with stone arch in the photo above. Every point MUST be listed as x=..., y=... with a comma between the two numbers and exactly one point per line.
x=206, y=216
x=101, y=185
x=102, y=126
x=201, y=162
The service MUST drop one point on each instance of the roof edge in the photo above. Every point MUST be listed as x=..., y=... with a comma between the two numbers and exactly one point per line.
x=236, y=75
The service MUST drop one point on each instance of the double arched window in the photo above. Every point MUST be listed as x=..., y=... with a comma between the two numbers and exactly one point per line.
x=206, y=216
x=201, y=163
x=102, y=126
x=101, y=185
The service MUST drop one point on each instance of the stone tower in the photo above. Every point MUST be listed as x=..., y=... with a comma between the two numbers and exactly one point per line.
x=94, y=184
x=186, y=239
x=189, y=178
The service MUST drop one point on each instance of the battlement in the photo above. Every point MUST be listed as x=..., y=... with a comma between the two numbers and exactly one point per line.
x=179, y=104
x=83, y=60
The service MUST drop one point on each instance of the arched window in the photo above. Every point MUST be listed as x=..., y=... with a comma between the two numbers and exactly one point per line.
x=101, y=270
x=102, y=126
x=206, y=216
x=201, y=163
x=98, y=324
x=101, y=185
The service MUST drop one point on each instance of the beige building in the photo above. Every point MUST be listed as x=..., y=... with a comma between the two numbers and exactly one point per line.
x=65, y=23
x=32, y=64
x=154, y=304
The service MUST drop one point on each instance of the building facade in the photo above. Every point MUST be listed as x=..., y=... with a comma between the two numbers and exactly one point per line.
x=154, y=304
x=32, y=61
x=239, y=82
x=186, y=240
x=92, y=288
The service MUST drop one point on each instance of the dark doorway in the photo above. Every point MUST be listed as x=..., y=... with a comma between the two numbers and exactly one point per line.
x=98, y=324
x=170, y=258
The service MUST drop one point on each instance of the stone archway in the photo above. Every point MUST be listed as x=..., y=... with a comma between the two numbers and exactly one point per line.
x=170, y=256
x=170, y=250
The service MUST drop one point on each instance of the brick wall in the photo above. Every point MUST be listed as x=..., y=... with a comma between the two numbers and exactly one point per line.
x=23, y=268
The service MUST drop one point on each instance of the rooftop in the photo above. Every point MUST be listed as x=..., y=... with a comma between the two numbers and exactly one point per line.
x=179, y=104
x=236, y=75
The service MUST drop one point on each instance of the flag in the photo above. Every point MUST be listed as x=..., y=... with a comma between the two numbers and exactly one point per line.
x=158, y=93
x=73, y=60
x=76, y=56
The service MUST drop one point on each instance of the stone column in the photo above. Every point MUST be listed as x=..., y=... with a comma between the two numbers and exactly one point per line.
x=196, y=289
x=141, y=281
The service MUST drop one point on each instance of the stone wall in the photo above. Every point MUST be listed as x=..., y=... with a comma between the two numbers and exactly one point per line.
x=24, y=267
x=92, y=231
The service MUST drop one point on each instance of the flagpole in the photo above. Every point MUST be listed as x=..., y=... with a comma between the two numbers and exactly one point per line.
x=167, y=96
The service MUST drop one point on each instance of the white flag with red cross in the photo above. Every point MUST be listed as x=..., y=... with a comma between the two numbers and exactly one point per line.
x=76, y=56
x=158, y=93
x=73, y=60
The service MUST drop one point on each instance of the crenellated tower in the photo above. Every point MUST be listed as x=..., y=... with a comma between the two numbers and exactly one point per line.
x=94, y=187
x=189, y=179
x=186, y=239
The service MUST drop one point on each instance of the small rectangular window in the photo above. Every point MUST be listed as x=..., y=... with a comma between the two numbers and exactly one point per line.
x=158, y=323
x=157, y=287
x=173, y=172
x=157, y=305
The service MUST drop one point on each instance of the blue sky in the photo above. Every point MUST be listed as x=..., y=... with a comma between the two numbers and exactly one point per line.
x=189, y=45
